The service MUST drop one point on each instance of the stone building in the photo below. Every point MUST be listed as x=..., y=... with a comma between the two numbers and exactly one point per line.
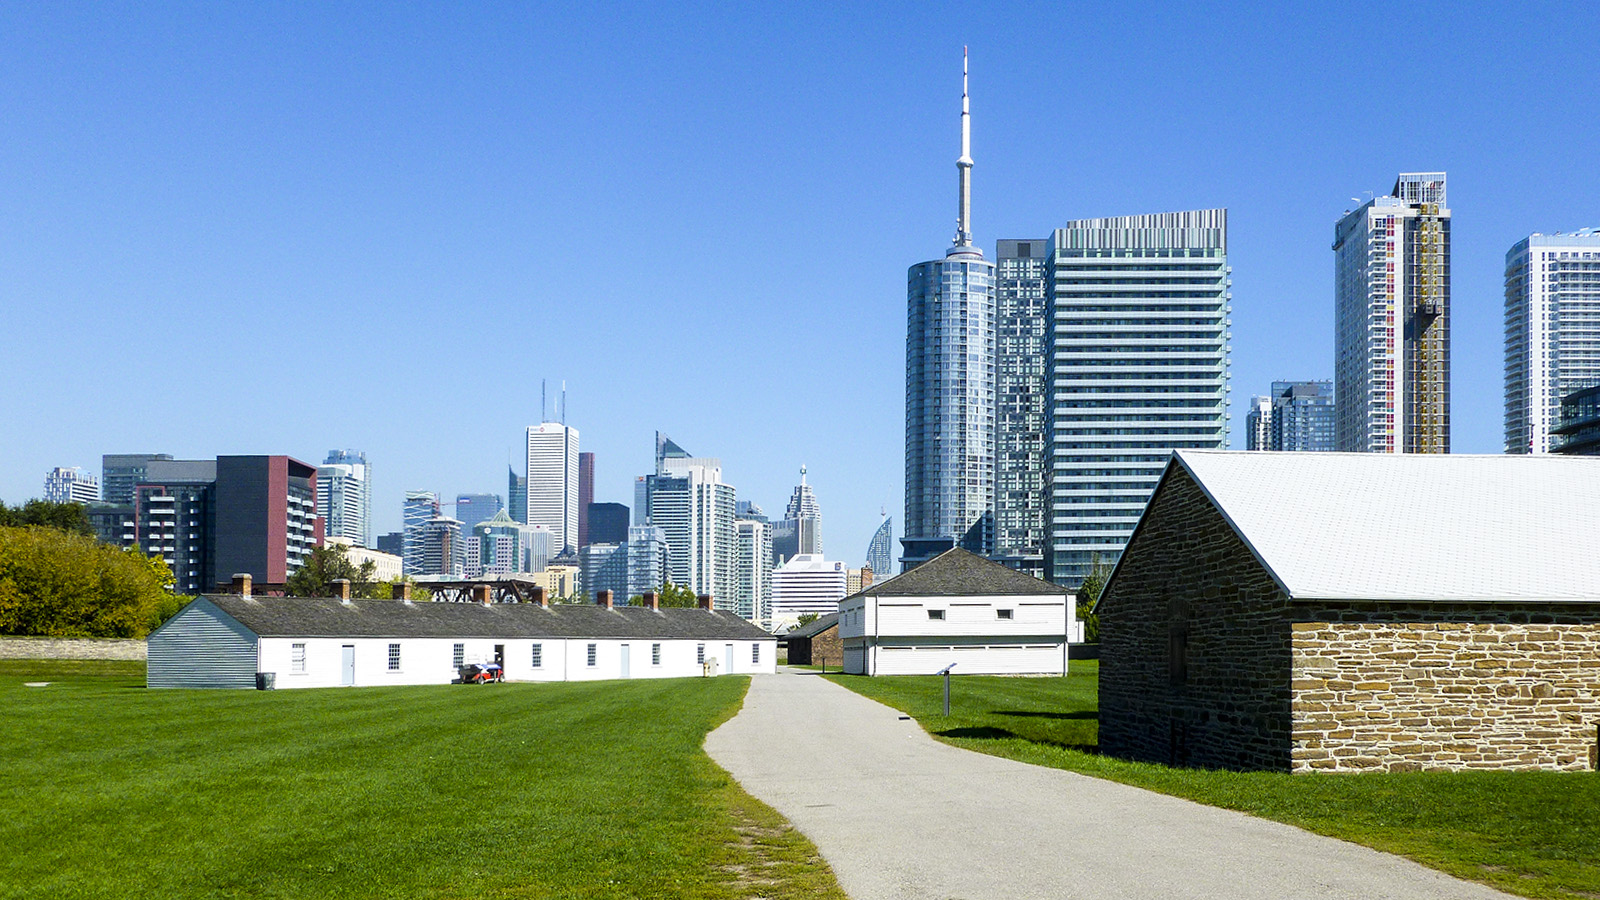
x=815, y=643
x=1357, y=612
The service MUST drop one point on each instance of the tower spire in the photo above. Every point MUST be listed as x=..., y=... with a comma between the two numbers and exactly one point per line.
x=964, y=166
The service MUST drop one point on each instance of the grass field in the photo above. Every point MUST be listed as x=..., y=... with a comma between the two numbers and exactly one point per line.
x=596, y=790
x=1531, y=833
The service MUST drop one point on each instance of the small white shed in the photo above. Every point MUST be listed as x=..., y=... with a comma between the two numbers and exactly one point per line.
x=226, y=640
x=958, y=608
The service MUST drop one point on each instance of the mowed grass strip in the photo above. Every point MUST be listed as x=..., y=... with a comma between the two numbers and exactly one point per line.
x=1536, y=834
x=590, y=790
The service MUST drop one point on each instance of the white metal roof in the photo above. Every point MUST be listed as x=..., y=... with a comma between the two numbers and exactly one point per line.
x=1413, y=527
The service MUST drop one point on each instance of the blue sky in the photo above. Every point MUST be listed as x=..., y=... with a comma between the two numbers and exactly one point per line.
x=284, y=228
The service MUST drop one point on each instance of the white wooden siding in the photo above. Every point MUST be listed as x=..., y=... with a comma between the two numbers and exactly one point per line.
x=895, y=636
x=201, y=647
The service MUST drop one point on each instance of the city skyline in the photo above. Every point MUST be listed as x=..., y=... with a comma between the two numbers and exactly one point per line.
x=403, y=200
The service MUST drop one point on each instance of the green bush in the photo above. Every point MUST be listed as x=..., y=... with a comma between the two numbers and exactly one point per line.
x=57, y=584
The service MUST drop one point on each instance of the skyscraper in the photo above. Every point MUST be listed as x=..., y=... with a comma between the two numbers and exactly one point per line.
x=1138, y=367
x=1021, y=326
x=800, y=531
x=753, y=593
x=1392, y=321
x=71, y=485
x=1303, y=415
x=585, y=496
x=608, y=523
x=119, y=472
x=517, y=495
x=553, y=482
x=881, y=550
x=950, y=387
x=421, y=507
x=474, y=508
x=1552, y=331
x=1258, y=424
x=647, y=559
x=344, y=496
x=694, y=509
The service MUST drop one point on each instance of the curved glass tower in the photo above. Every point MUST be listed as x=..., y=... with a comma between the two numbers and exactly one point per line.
x=950, y=388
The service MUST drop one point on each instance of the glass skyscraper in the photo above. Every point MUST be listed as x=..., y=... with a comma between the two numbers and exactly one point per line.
x=1552, y=331
x=1302, y=416
x=950, y=389
x=1137, y=367
x=1021, y=323
x=881, y=550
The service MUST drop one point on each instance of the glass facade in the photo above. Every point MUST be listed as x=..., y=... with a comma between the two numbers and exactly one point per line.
x=1137, y=367
x=1552, y=324
x=1021, y=325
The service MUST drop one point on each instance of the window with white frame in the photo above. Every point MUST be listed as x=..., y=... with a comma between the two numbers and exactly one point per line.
x=593, y=654
x=655, y=654
x=700, y=654
x=394, y=657
x=755, y=653
x=297, y=658
x=538, y=656
x=458, y=655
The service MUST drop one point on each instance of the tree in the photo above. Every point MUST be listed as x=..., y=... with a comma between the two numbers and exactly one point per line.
x=328, y=563
x=59, y=584
x=673, y=595
x=807, y=619
x=68, y=517
x=1089, y=594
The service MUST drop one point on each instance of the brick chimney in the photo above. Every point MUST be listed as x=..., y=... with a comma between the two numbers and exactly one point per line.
x=540, y=598
x=604, y=599
x=341, y=589
x=652, y=600
x=480, y=594
x=705, y=601
x=241, y=584
x=402, y=591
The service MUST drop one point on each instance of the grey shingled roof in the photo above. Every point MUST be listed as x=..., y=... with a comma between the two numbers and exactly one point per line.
x=959, y=573
x=328, y=617
x=812, y=629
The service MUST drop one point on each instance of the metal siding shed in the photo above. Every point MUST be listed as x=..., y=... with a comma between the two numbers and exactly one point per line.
x=201, y=647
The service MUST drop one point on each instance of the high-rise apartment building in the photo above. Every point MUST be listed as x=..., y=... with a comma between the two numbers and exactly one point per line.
x=1552, y=317
x=586, y=496
x=1022, y=322
x=1303, y=416
x=439, y=549
x=421, y=507
x=603, y=566
x=950, y=388
x=553, y=482
x=647, y=559
x=1392, y=321
x=880, y=551
x=753, y=593
x=1137, y=367
x=1258, y=424
x=119, y=472
x=71, y=485
x=694, y=508
x=344, y=496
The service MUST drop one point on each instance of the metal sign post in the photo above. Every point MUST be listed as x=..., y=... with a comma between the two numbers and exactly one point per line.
x=946, y=673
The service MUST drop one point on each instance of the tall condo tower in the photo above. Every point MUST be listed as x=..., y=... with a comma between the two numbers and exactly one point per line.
x=344, y=496
x=950, y=387
x=1021, y=326
x=1552, y=331
x=1391, y=356
x=553, y=483
x=881, y=549
x=1137, y=368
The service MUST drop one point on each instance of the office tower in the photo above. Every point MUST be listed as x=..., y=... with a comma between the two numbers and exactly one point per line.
x=119, y=472
x=801, y=528
x=950, y=388
x=439, y=548
x=1303, y=416
x=880, y=550
x=1552, y=331
x=394, y=542
x=474, y=508
x=806, y=584
x=647, y=559
x=540, y=550
x=746, y=509
x=1138, y=367
x=421, y=507
x=603, y=566
x=1392, y=321
x=1258, y=424
x=1022, y=322
x=553, y=482
x=753, y=594
x=498, y=545
x=1577, y=429
x=608, y=523
x=71, y=485
x=344, y=496
x=517, y=495
x=586, y=496
x=692, y=505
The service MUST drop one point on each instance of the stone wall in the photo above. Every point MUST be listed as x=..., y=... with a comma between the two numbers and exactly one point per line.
x=70, y=648
x=1194, y=644
x=1405, y=687
x=826, y=645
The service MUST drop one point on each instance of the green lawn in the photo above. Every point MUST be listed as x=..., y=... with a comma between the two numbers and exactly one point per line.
x=597, y=790
x=1530, y=833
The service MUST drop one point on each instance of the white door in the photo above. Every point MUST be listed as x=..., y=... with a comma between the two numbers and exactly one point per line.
x=347, y=665
x=624, y=660
x=727, y=656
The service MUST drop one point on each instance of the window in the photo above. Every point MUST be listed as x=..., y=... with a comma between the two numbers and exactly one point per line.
x=755, y=653
x=655, y=654
x=593, y=648
x=394, y=657
x=936, y=614
x=297, y=658
x=538, y=656
x=1005, y=613
x=459, y=655
x=700, y=654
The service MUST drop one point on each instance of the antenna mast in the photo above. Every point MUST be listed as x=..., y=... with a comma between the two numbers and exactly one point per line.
x=964, y=166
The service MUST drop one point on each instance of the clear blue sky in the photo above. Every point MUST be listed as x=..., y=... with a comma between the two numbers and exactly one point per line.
x=284, y=228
